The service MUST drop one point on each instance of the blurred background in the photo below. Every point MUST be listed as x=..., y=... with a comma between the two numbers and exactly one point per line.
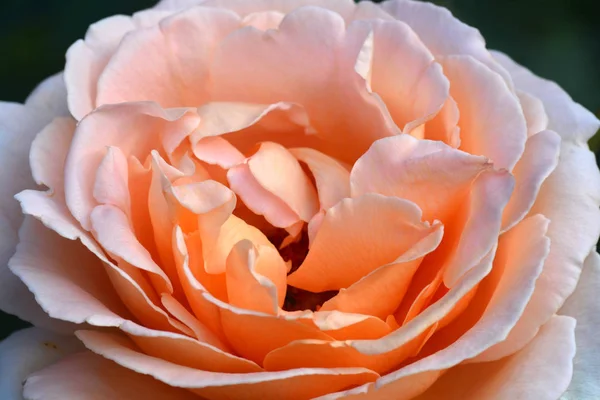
x=557, y=39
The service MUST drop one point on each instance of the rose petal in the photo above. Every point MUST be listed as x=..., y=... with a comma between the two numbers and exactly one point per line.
x=27, y=351
x=583, y=306
x=535, y=114
x=491, y=118
x=99, y=377
x=331, y=178
x=542, y=370
x=537, y=163
x=380, y=292
x=18, y=126
x=429, y=173
x=143, y=123
x=256, y=277
x=294, y=384
x=405, y=74
x=177, y=52
x=442, y=33
x=566, y=117
x=570, y=198
x=357, y=236
x=276, y=74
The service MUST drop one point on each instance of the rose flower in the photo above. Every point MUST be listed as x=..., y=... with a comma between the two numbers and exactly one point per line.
x=297, y=199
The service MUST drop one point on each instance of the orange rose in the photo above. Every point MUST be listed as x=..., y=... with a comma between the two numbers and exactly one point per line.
x=298, y=199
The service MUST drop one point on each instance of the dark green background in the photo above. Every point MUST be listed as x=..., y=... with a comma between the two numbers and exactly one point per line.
x=557, y=39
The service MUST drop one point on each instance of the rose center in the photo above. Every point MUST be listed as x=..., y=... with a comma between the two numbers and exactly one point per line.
x=298, y=299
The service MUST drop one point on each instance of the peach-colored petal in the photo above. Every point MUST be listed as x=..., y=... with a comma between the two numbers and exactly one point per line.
x=327, y=354
x=97, y=376
x=258, y=199
x=293, y=384
x=583, y=306
x=218, y=151
x=250, y=274
x=542, y=370
x=331, y=178
x=278, y=171
x=535, y=115
x=489, y=194
x=111, y=183
x=508, y=288
x=520, y=254
x=114, y=234
x=573, y=232
x=201, y=332
x=177, y=52
x=491, y=119
x=405, y=75
x=183, y=350
x=344, y=326
x=357, y=236
x=442, y=33
x=380, y=292
x=336, y=99
x=133, y=127
x=204, y=310
x=444, y=126
x=566, y=117
x=27, y=351
x=429, y=173
x=264, y=331
x=537, y=163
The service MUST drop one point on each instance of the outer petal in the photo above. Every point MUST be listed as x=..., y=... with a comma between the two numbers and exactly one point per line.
x=86, y=59
x=542, y=370
x=491, y=118
x=570, y=199
x=537, y=163
x=293, y=384
x=177, y=53
x=27, y=351
x=566, y=117
x=441, y=32
x=583, y=305
x=97, y=377
x=19, y=124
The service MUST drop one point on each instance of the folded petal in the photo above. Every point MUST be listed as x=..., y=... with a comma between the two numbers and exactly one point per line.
x=583, y=306
x=27, y=351
x=404, y=74
x=429, y=173
x=491, y=118
x=537, y=162
x=357, y=236
x=380, y=292
x=256, y=277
